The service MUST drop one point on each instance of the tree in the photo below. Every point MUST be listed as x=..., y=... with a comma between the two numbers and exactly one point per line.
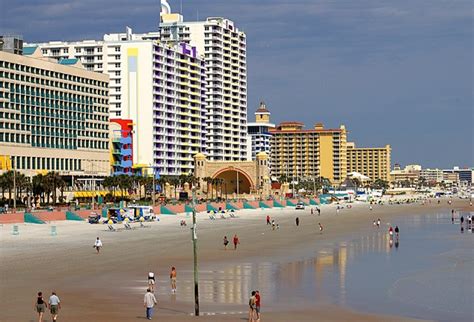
x=380, y=184
x=52, y=182
x=111, y=182
x=124, y=182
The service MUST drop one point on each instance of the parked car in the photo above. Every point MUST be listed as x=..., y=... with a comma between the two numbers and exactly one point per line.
x=299, y=206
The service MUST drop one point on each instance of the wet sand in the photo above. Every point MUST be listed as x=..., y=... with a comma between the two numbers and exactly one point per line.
x=110, y=286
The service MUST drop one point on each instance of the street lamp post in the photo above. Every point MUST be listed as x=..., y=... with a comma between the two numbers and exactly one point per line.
x=194, y=238
x=154, y=187
x=12, y=158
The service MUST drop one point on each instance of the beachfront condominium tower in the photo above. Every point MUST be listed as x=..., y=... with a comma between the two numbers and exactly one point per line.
x=298, y=153
x=53, y=116
x=259, y=131
x=371, y=162
x=224, y=48
x=160, y=87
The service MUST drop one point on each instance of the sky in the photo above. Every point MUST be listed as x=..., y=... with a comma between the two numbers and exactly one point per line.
x=394, y=72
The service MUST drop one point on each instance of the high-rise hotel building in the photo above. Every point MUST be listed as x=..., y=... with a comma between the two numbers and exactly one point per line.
x=371, y=162
x=313, y=153
x=161, y=87
x=53, y=116
x=224, y=48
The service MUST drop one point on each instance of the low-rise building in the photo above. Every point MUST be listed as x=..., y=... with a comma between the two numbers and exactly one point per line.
x=408, y=176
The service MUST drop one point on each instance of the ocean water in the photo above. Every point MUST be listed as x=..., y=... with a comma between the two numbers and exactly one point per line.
x=427, y=274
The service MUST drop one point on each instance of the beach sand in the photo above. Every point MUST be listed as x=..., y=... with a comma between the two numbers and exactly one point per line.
x=110, y=286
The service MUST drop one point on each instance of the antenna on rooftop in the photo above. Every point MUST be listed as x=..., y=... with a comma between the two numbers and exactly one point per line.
x=181, y=7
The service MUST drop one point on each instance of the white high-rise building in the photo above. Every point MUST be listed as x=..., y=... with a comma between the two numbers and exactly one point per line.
x=225, y=53
x=161, y=87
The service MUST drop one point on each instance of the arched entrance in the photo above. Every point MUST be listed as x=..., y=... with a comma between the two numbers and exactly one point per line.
x=235, y=181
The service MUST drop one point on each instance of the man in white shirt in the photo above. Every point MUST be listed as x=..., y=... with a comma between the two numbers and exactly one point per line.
x=149, y=302
x=54, y=305
x=98, y=245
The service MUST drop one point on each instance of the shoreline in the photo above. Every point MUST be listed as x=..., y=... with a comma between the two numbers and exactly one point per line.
x=115, y=277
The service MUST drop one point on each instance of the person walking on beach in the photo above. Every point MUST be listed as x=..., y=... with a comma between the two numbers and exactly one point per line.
x=462, y=220
x=297, y=220
x=236, y=241
x=312, y=210
x=40, y=306
x=268, y=220
x=252, y=307
x=226, y=242
x=173, y=279
x=273, y=224
x=375, y=223
x=397, y=231
x=390, y=232
x=452, y=216
x=320, y=228
x=319, y=211
x=151, y=281
x=257, y=304
x=98, y=245
x=378, y=223
x=149, y=302
x=54, y=306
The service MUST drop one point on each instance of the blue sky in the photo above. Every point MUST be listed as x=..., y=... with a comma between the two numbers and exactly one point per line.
x=397, y=72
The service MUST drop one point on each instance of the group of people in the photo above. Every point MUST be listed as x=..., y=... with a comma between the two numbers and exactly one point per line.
x=41, y=305
x=149, y=300
x=377, y=223
x=254, y=306
x=235, y=240
x=391, y=232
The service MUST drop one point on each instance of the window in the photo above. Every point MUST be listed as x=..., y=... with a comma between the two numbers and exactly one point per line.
x=99, y=49
x=45, y=51
x=65, y=50
x=117, y=56
x=118, y=113
x=117, y=65
x=117, y=73
x=78, y=50
x=117, y=49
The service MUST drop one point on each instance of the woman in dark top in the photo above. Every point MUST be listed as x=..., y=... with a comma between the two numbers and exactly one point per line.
x=40, y=306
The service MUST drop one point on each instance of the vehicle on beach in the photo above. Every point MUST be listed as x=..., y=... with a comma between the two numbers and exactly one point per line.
x=299, y=206
x=134, y=212
x=94, y=218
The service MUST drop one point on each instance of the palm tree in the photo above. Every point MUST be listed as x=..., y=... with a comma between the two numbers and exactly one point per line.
x=53, y=181
x=38, y=187
x=124, y=182
x=7, y=183
x=110, y=183
x=208, y=181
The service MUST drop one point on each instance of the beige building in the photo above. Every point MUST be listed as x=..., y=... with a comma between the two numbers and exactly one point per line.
x=53, y=116
x=410, y=174
x=240, y=178
x=371, y=162
x=313, y=153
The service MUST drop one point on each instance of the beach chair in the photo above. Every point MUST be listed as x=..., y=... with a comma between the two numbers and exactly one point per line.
x=127, y=226
x=223, y=216
x=212, y=217
x=232, y=215
x=111, y=228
